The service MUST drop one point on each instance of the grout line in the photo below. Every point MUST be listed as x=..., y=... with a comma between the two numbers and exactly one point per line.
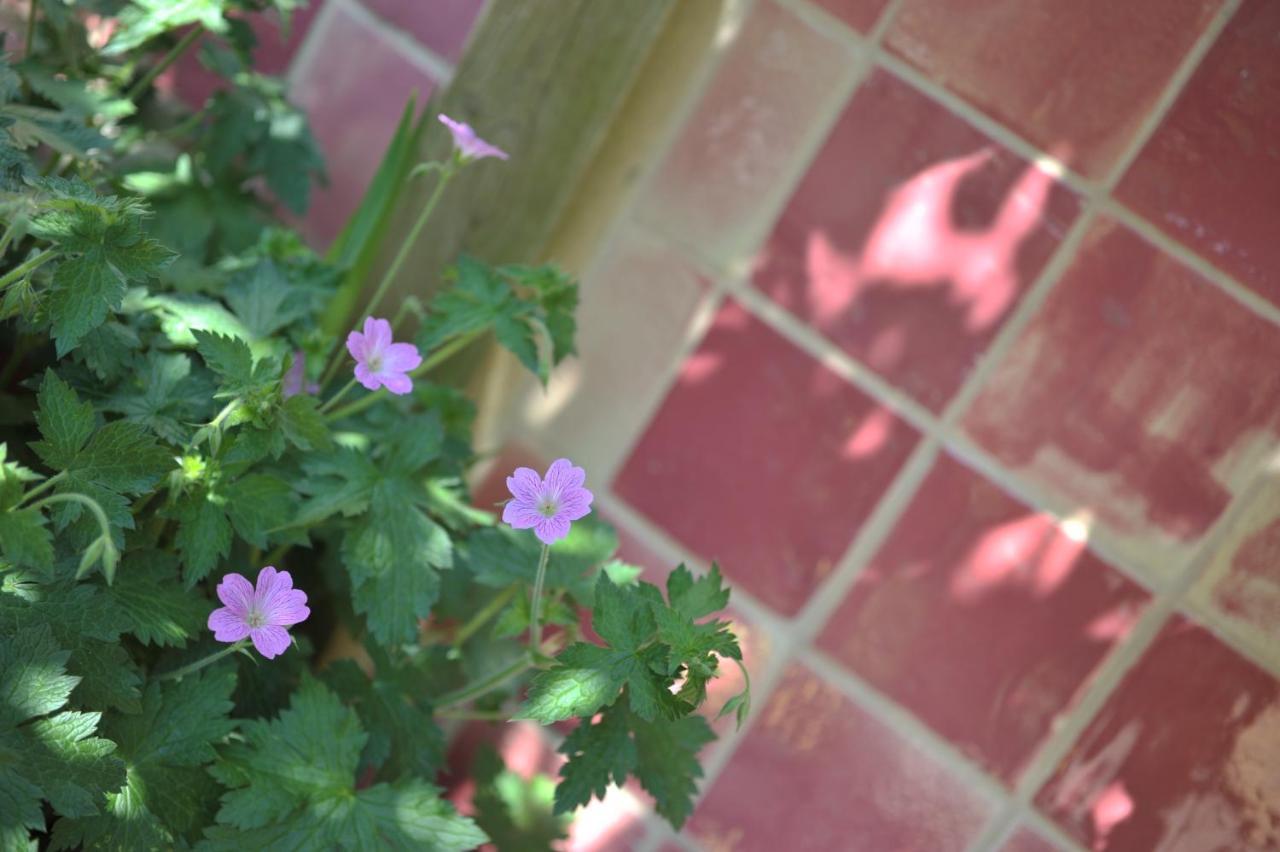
x=417, y=54
x=307, y=51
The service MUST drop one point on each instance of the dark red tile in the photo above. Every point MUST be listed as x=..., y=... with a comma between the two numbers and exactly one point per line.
x=354, y=106
x=1026, y=840
x=441, y=25
x=981, y=617
x=859, y=14
x=1210, y=176
x=1075, y=77
x=1139, y=392
x=763, y=459
x=1182, y=758
x=911, y=238
x=816, y=772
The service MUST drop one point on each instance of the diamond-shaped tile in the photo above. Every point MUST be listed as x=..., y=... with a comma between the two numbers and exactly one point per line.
x=1182, y=758
x=1140, y=393
x=816, y=772
x=1075, y=77
x=911, y=238
x=982, y=617
x=764, y=459
x=1210, y=175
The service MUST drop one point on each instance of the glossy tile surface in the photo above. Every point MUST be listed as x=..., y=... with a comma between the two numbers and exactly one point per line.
x=911, y=238
x=1211, y=174
x=1182, y=757
x=763, y=459
x=816, y=773
x=1075, y=77
x=982, y=617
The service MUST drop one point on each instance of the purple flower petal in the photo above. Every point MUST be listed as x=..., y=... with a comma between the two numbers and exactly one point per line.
x=378, y=333
x=397, y=383
x=401, y=358
x=563, y=476
x=576, y=504
x=371, y=381
x=524, y=484
x=236, y=593
x=468, y=143
x=356, y=345
x=520, y=515
x=551, y=530
x=288, y=609
x=227, y=626
x=296, y=379
x=270, y=640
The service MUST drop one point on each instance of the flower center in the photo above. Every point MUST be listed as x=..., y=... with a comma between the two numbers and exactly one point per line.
x=548, y=506
x=255, y=619
x=375, y=362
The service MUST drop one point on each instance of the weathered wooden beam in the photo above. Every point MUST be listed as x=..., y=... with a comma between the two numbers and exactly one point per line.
x=543, y=79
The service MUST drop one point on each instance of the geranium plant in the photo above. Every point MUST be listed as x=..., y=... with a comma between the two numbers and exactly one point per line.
x=219, y=451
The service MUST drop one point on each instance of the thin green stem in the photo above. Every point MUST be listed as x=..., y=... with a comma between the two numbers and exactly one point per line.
x=535, y=606
x=43, y=487
x=103, y=548
x=435, y=359
x=34, y=263
x=201, y=663
x=7, y=238
x=174, y=54
x=29, y=39
x=486, y=612
x=402, y=254
x=337, y=396
x=485, y=685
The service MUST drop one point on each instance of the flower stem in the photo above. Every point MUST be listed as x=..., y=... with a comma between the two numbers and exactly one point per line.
x=42, y=487
x=402, y=254
x=17, y=273
x=30, y=37
x=174, y=54
x=485, y=685
x=435, y=359
x=337, y=396
x=535, y=606
x=486, y=612
x=201, y=663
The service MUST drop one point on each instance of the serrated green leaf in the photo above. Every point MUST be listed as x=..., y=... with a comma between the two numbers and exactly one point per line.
x=266, y=301
x=143, y=20
x=303, y=425
x=697, y=598
x=585, y=678
x=667, y=763
x=229, y=357
x=65, y=422
x=204, y=535
x=24, y=540
x=257, y=503
x=159, y=610
x=516, y=812
x=599, y=754
x=123, y=457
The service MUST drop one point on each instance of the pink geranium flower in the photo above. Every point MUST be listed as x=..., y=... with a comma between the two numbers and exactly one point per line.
x=261, y=613
x=468, y=144
x=379, y=361
x=547, y=505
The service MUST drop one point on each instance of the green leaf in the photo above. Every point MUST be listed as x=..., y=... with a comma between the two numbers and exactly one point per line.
x=697, y=598
x=599, y=754
x=53, y=757
x=143, y=20
x=158, y=609
x=82, y=620
x=667, y=762
x=13, y=480
x=393, y=556
x=257, y=503
x=24, y=539
x=65, y=422
x=162, y=394
x=229, y=357
x=292, y=789
x=123, y=457
x=500, y=556
x=163, y=745
x=204, y=535
x=584, y=679
x=304, y=425
x=266, y=301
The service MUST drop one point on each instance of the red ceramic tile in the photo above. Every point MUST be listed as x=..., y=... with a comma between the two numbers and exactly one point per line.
x=1026, y=840
x=775, y=84
x=1210, y=175
x=1139, y=392
x=816, y=772
x=1242, y=581
x=441, y=25
x=354, y=106
x=1182, y=758
x=981, y=617
x=1075, y=77
x=859, y=14
x=911, y=238
x=763, y=459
